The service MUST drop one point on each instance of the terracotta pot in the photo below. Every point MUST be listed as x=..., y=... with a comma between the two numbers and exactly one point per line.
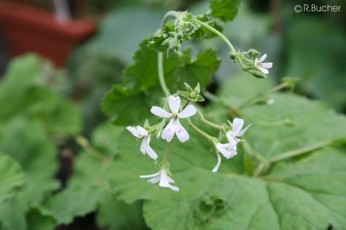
x=28, y=29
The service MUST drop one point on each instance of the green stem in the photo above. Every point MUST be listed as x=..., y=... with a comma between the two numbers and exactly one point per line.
x=211, y=124
x=161, y=74
x=298, y=152
x=200, y=132
x=215, y=31
x=165, y=160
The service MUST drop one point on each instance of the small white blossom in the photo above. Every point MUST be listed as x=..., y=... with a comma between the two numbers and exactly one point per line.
x=263, y=67
x=236, y=131
x=163, y=179
x=229, y=149
x=142, y=133
x=174, y=126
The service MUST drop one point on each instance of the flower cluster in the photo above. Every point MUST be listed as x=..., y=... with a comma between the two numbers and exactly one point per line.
x=175, y=112
x=173, y=128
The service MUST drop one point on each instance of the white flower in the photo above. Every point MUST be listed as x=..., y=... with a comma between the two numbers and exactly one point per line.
x=229, y=149
x=263, y=67
x=174, y=126
x=163, y=179
x=142, y=133
x=236, y=131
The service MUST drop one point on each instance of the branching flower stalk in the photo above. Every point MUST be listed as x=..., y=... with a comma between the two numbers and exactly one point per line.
x=176, y=28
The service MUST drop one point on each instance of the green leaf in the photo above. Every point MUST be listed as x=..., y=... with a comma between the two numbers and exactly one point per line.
x=85, y=189
x=104, y=138
x=225, y=10
x=130, y=102
x=39, y=221
x=321, y=71
x=279, y=199
x=115, y=214
x=292, y=124
x=11, y=178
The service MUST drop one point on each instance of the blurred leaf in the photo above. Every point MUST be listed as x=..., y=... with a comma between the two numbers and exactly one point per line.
x=84, y=191
x=114, y=214
x=11, y=178
x=39, y=221
x=292, y=123
x=318, y=56
x=104, y=138
x=225, y=10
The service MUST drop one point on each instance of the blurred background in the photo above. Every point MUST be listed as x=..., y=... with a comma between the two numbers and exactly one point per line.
x=81, y=47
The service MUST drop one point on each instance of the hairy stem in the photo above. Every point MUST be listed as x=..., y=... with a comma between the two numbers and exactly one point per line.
x=161, y=74
x=215, y=31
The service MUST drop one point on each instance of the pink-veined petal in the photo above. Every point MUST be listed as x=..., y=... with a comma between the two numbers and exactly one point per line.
x=189, y=111
x=217, y=166
x=160, y=112
x=168, y=132
x=181, y=132
x=134, y=131
x=267, y=65
x=264, y=56
x=142, y=131
x=174, y=103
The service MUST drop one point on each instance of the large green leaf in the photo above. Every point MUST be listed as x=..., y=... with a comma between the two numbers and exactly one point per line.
x=282, y=200
x=232, y=198
x=11, y=177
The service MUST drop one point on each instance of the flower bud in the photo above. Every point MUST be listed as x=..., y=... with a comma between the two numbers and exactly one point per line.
x=253, y=53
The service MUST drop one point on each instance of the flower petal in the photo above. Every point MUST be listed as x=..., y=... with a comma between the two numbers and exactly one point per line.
x=151, y=153
x=217, y=164
x=237, y=124
x=160, y=112
x=174, y=188
x=189, y=111
x=263, y=70
x=174, y=103
x=181, y=132
x=241, y=133
x=134, y=131
x=154, y=180
x=149, y=176
x=228, y=150
x=168, y=132
x=264, y=56
x=267, y=65
x=143, y=146
x=142, y=131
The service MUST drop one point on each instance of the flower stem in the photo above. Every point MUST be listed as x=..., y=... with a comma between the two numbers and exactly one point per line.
x=211, y=124
x=168, y=151
x=161, y=74
x=215, y=31
x=200, y=132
